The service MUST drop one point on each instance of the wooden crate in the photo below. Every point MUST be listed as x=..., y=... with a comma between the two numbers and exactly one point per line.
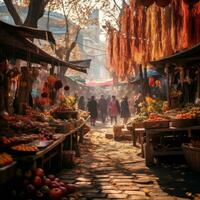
x=192, y=156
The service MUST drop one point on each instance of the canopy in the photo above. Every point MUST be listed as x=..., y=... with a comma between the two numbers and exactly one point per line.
x=99, y=83
x=185, y=57
x=150, y=73
x=14, y=44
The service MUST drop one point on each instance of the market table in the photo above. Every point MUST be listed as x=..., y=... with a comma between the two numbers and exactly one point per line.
x=148, y=135
x=55, y=150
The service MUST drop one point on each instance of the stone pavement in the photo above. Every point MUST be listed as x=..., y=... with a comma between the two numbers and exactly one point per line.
x=114, y=170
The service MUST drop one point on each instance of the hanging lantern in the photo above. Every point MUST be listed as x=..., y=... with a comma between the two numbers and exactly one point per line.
x=190, y=2
x=163, y=3
x=146, y=3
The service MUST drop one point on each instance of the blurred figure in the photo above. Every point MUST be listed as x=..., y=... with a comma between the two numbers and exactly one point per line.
x=125, y=112
x=114, y=109
x=102, y=106
x=81, y=103
x=92, y=108
x=138, y=100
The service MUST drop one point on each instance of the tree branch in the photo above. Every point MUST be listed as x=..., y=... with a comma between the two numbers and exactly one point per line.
x=13, y=12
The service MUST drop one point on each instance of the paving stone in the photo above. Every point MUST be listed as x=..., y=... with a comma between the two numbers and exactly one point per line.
x=111, y=191
x=122, y=180
x=102, y=179
x=107, y=187
x=117, y=196
x=129, y=188
x=101, y=176
x=138, y=197
x=82, y=179
x=137, y=193
x=97, y=195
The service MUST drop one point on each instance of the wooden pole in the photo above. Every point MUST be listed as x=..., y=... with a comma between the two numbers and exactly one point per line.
x=168, y=86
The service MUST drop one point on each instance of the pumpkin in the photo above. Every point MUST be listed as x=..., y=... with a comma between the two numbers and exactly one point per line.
x=163, y=3
x=146, y=3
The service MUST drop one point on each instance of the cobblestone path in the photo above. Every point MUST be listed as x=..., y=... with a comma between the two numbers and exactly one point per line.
x=114, y=170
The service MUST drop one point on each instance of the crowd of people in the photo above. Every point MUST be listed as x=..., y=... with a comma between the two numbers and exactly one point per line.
x=105, y=108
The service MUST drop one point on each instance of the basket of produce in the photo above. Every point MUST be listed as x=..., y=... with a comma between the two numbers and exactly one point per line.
x=65, y=114
x=24, y=149
x=192, y=156
x=7, y=167
x=156, y=121
x=183, y=120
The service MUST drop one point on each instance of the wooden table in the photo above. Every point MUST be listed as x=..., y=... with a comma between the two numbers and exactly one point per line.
x=148, y=135
x=55, y=150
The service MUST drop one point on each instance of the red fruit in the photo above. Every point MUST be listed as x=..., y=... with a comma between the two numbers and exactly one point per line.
x=70, y=188
x=62, y=184
x=30, y=188
x=55, y=194
x=47, y=181
x=37, y=181
x=51, y=177
x=39, y=172
x=63, y=189
x=56, y=183
x=57, y=179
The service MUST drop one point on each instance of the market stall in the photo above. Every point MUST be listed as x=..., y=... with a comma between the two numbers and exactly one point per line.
x=172, y=127
x=40, y=137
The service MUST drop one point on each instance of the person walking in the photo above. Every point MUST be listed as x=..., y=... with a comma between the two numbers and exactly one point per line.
x=81, y=103
x=114, y=109
x=102, y=106
x=125, y=111
x=92, y=108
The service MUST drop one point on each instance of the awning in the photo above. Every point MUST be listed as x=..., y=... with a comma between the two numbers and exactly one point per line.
x=150, y=73
x=185, y=57
x=99, y=83
x=14, y=44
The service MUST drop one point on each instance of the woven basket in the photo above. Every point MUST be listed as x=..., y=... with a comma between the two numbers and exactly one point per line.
x=157, y=124
x=66, y=115
x=192, y=156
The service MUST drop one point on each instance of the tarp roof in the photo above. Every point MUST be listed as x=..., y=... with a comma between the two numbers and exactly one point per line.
x=150, y=73
x=15, y=43
x=99, y=83
x=185, y=57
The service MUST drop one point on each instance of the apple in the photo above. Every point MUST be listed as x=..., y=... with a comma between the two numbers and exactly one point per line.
x=70, y=188
x=63, y=189
x=47, y=181
x=39, y=172
x=55, y=194
x=45, y=189
x=37, y=181
x=51, y=177
x=30, y=188
x=39, y=194
x=56, y=183
x=62, y=184
x=57, y=179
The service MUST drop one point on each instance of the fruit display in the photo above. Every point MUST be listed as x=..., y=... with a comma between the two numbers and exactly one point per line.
x=33, y=184
x=66, y=104
x=5, y=159
x=153, y=117
x=83, y=114
x=8, y=140
x=185, y=116
x=24, y=148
